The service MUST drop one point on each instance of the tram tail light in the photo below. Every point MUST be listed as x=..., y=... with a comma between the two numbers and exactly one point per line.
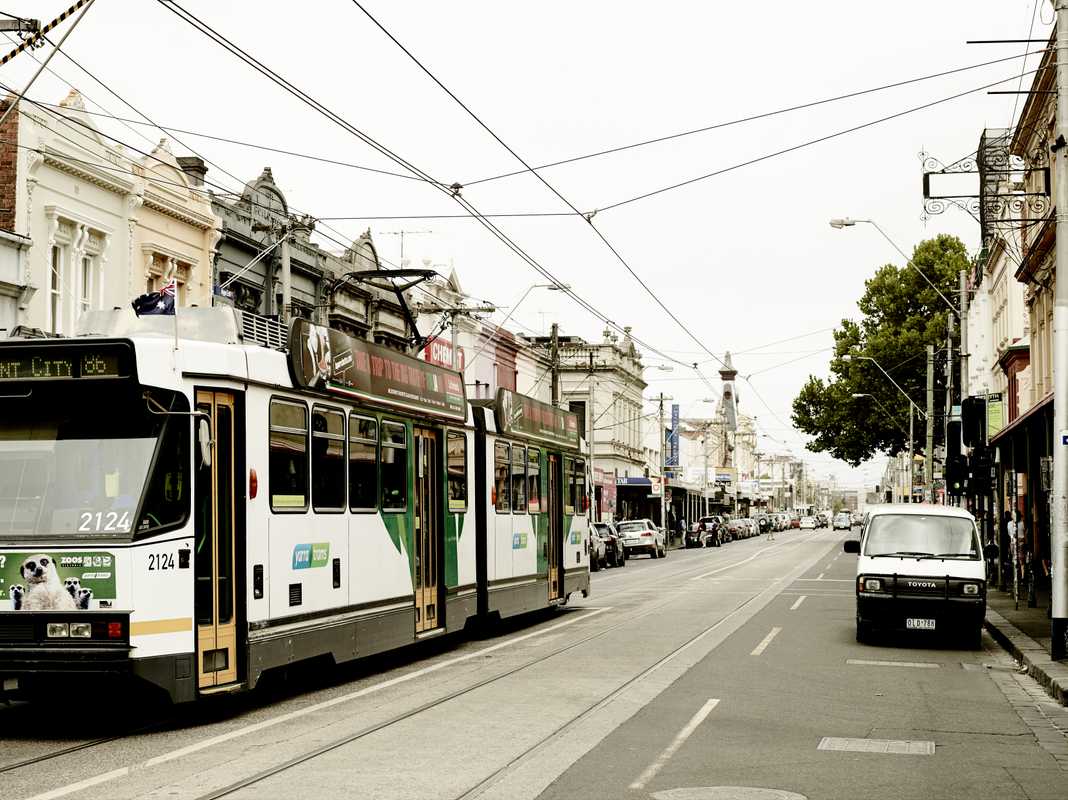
x=253, y=484
x=114, y=630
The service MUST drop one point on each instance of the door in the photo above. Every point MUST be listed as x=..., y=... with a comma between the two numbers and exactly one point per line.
x=429, y=530
x=216, y=595
x=556, y=525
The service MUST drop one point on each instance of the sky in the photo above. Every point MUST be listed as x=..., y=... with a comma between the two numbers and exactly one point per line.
x=746, y=259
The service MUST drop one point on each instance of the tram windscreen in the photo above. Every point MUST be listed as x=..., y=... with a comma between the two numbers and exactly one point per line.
x=77, y=463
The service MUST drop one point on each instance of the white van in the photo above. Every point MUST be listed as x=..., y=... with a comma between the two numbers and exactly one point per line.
x=921, y=567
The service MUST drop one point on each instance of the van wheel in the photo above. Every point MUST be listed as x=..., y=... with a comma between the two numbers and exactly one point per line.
x=975, y=639
x=863, y=632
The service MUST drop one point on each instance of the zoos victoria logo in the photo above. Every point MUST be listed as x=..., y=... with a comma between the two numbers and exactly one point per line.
x=311, y=556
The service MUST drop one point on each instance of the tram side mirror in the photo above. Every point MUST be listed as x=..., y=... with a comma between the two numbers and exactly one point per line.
x=851, y=546
x=990, y=552
x=204, y=441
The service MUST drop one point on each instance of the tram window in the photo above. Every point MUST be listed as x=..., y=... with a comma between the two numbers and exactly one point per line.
x=519, y=478
x=457, y=470
x=289, y=456
x=580, y=487
x=328, y=459
x=167, y=495
x=533, y=480
x=568, y=481
x=501, y=468
x=363, y=469
x=394, y=467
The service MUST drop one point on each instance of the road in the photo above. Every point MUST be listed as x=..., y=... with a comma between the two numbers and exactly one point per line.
x=729, y=667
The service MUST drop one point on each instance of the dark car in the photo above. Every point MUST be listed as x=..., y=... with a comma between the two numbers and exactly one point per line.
x=615, y=555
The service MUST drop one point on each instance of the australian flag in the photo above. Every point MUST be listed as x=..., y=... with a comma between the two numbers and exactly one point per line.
x=161, y=302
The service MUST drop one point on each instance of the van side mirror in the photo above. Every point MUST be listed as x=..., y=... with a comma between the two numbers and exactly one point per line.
x=204, y=441
x=990, y=552
x=851, y=546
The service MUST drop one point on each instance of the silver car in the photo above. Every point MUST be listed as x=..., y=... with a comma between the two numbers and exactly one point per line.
x=642, y=536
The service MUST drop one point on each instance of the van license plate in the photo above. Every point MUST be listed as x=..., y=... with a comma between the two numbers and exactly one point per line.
x=920, y=624
x=11, y=684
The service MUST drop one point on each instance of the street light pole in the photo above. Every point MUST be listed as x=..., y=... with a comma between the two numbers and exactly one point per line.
x=1059, y=499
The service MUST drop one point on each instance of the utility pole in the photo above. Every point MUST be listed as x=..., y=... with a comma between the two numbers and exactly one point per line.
x=1059, y=498
x=704, y=449
x=928, y=462
x=912, y=416
x=963, y=334
x=663, y=469
x=287, y=283
x=554, y=365
x=594, y=516
x=454, y=332
x=949, y=402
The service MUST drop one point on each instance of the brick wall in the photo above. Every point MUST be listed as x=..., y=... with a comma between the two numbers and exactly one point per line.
x=9, y=135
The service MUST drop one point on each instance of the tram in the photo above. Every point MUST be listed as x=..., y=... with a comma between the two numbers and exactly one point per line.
x=193, y=501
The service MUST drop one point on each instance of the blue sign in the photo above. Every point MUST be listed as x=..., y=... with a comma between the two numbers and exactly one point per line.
x=673, y=438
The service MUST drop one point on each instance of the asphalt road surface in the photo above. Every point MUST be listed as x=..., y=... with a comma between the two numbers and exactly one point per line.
x=730, y=667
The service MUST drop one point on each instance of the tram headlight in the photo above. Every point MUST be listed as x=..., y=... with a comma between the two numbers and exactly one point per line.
x=81, y=630
x=57, y=630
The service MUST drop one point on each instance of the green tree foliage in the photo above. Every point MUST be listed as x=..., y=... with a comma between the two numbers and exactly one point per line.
x=900, y=315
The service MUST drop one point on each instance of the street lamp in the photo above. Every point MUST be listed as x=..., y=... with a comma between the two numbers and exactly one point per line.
x=846, y=222
x=927, y=464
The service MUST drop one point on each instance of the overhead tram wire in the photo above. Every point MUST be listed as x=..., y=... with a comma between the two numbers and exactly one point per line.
x=754, y=117
x=809, y=143
x=533, y=171
x=274, y=77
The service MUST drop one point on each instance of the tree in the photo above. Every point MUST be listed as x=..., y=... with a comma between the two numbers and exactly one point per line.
x=900, y=315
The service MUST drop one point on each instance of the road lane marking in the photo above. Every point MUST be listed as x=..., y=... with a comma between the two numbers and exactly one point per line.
x=798, y=602
x=735, y=564
x=677, y=742
x=918, y=664
x=760, y=648
x=820, y=576
x=902, y=747
x=204, y=744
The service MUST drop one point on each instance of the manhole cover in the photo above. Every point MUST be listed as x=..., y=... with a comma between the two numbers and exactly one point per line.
x=727, y=793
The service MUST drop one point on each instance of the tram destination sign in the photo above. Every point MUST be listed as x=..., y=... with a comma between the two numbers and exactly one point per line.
x=329, y=360
x=50, y=362
x=524, y=416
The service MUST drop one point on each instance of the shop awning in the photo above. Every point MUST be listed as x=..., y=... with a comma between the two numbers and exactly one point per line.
x=1022, y=420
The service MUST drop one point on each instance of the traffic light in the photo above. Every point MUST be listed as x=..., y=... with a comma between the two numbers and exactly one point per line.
x=973, y=420
x=956, y=474
x=953, y=439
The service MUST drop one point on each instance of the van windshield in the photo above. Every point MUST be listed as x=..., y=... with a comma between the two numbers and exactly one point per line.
x=921, y=536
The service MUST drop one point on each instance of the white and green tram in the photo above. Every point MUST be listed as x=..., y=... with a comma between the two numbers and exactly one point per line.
x=194, y=502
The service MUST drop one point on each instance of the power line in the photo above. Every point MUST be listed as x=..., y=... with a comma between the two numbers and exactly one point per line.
x=754, y=117
x=453, y=192
x=809, y=143
x=780, y=341
x=529, y=168
x=1019, y=84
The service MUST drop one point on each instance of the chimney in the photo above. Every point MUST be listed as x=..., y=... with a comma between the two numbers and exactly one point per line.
x=194, y=167
x=9, y=166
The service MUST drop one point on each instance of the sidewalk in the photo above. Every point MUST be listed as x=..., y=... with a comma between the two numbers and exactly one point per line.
x=1025, y=633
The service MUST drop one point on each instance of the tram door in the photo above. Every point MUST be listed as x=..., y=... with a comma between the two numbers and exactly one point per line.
x=556, y=524
x=214, y=551
x=428, y=531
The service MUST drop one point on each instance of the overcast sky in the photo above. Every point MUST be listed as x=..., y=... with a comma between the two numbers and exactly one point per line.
x=743, y=259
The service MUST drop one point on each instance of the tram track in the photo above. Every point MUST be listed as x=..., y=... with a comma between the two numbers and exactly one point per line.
x=648, y=610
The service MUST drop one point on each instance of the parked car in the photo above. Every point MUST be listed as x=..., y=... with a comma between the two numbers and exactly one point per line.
x=642, y=536
x=614, y=553
x=842, y=522
x=707, y=532
x=598, y=557
x=808, y=523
